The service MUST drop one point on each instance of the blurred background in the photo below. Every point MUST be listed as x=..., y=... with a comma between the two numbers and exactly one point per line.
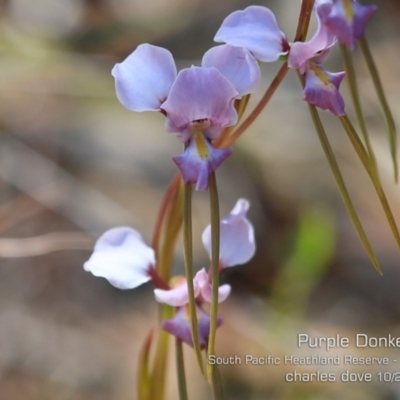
x=74, y=162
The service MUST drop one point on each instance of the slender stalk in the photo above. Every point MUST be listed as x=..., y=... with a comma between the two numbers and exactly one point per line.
x=342, y=187
x=372, y=172
x=143, y=376
x=390, y=125
x=166, y=202
x=257, y=110
x=188, y=253
x=180, y=369
x=304, y=20
x=216, y=385
x=215, y=228
x=160, y=359
x=354, y=93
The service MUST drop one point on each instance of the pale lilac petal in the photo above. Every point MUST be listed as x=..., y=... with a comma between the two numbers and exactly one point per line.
x=144, y=79
x=301, y=52
x=237, y=244
x=203, y=282
x=180, y=326
x=200, y=94
x=255, y=29
x=199, y=160
x=121, y=256
x=178, y=296
x=237, y=65
x=348, y=22
x=322, y=89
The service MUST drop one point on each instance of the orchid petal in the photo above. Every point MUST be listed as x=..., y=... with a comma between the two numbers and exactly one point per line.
x=237, y=244
x=180, y=326
x=237, y=65
x=200, y=94
x=348, y=19
x=203, y=283
x=322, y=89
x=143, y=80
x=199, y=160
x=178, y=296
x=322, y=41
x=255, y=29
x=121, y=256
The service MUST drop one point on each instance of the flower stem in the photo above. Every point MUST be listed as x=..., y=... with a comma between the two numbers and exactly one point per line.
x=373, y=174
x=342, y=187
x=180, y=367
x=160, y=359
x=216, y=385
x=215, y=228
x=304, y=20
x=390, y=125
x=257, y=110
x=169, y=220
x=353, y=88
x=188, y=253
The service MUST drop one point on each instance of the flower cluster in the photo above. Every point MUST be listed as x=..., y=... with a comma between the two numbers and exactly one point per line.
x=256, y=29
x=122, y=257
x=198, y=102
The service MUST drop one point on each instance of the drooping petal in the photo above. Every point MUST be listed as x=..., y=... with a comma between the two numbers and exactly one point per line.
x=203, y=283
x=323, y=39
x=200, y=94
x=143, y=80
x=121, y=256
x=199, y=160
x=178, y=296
x=322, y=89
x=237, y=244
x=254, y=28
x=348, y=19
x=180, y=326
x=237, y=65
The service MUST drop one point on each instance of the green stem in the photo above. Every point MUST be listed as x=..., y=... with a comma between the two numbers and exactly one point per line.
x=390, y=125
x=372, y=172
x=215, y=228
x=342, y=187
x=180, y=367
x=216, y=385
x=354, y=93
x=188, y=253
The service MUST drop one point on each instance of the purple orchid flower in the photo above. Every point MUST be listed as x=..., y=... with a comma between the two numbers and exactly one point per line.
x=255, y=28
x=122, y=257
x=198, y=102
x=180, y=326
x=346, y=19
x=237, y=244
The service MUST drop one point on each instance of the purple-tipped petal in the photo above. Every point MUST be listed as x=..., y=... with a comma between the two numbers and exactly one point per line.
x=199, y=160
x=323, y=39
x=200, y=94
x=180, y=327
x=348, y=19
x=121, y=257
x=237, y=244
x=178, y=296
x=255, y=29
x=237, y=65
x=203, y=283
x=143, y=80
x=322, y=89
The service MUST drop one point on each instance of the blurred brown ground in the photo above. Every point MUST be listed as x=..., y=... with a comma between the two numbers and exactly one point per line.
x=74, y=162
